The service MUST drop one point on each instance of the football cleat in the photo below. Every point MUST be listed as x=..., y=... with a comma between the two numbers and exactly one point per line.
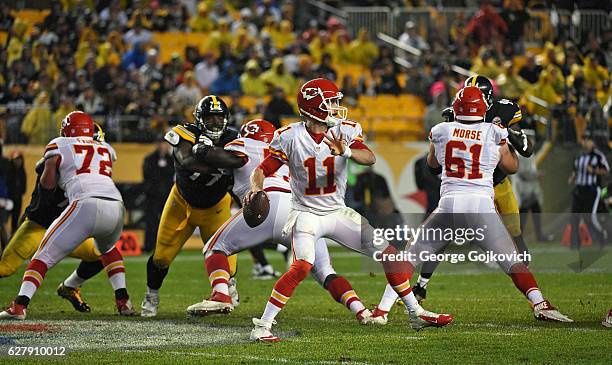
x=544, y=311
x=379, y=316
x=125, y=307
x=265, y=272
x=233, y=292
x=420, y=292
x=607, y=322
x=364, y=317
x=149, y=305
x=73, y=295
x=262, y=331
x=425, y=318
x=218, y=303
x=15, y=312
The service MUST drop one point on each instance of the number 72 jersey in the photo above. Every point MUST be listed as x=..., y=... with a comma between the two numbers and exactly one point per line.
x=468, y=154
x=85, y=167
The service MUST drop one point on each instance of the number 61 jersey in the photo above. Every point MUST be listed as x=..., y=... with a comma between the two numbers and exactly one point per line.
x=468, y=154
x=85, y=167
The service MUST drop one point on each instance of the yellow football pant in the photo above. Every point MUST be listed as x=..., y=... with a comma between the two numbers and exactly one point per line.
x=25, y=241
x=507, y=207
x=179, y=220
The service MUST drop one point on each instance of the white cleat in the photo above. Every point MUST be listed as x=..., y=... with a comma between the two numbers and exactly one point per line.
x=218, y=303
x=607, y=322
x=425, y=318
x=233, y=292
x=365, y=317
x=544, y=311
x=379, y=317
x=262, y=331
x=14, y=312
x=149, y=305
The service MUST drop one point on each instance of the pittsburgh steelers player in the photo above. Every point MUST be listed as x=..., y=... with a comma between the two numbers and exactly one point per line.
x=45, y=206
x=199, y=197
x=508, y=114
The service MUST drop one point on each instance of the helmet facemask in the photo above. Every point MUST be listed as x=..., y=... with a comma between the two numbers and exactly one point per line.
x=336, y=113
x=213, y=127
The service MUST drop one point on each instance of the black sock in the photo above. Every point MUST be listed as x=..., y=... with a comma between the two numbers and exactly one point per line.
x=521, y=246
x=155, y=274
x=88, y=269
x=121, y=294
x=258, y=254
x=22, y=300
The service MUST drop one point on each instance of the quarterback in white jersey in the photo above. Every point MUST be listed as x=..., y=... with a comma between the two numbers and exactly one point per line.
x=468, y=150
x=317, y=151
x=82, y=167
x=236, y=235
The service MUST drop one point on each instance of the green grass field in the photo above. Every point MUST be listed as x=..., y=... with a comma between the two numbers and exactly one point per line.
x=493, y=321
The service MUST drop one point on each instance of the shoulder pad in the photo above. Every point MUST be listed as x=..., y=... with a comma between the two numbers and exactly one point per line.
x=172, y=137
x=181, y=132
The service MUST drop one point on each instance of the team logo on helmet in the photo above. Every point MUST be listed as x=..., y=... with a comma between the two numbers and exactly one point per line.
x=251, y=129
x=311, y=92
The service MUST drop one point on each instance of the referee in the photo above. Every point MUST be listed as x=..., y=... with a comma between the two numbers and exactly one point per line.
x=589, y=168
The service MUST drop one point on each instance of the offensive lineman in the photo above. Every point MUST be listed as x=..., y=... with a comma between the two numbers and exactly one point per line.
x=235, y=235
x=82, y=167
x=199, y=197
x=468, y=151
x=316, y=151
x=38, y=216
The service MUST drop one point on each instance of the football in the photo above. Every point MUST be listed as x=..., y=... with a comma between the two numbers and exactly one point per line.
x=256, y=211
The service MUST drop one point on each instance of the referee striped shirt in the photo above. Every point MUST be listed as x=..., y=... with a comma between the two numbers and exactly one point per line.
x=594, y=159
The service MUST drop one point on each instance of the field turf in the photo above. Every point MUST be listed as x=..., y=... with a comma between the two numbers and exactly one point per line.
x=493, y=321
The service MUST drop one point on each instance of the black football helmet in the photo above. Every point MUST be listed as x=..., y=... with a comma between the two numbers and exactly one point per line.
x=484, y=84
x=98, y=133
x=211, y=116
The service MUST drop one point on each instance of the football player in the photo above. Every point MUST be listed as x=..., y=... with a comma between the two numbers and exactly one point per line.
x=316, y=151
x=82, y=167
x=508, y=114
x=235, y=235
x=37, y=217
x=468, y=151
x=199, y=197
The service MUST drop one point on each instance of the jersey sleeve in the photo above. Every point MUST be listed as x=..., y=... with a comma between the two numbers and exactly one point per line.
x=112, y=151
x=354, y=135
x=602, y=161
x=512, y=112
x=434, y=133
x=501, y=135
x=237, y=147
x=277, y=146
x=52, y=149
x=177, y=133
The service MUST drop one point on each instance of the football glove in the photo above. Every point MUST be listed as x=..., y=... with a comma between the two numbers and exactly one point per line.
x=519, y=141
x=200, y=149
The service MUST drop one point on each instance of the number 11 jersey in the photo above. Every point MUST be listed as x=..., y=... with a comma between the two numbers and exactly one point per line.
x=468, y=154
x=85, y=167
x=318, y=179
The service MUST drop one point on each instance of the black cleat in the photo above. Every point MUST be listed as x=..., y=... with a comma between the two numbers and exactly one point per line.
x=419, y=292
x=73, y=295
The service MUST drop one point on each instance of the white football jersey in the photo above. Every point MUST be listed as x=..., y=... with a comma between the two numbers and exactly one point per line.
x=85, y=167
x=256, y=151
x=468, y=154
x=318, y=179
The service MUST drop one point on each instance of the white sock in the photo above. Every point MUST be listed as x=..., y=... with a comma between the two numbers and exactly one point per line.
x=270, y=312
x=412, y=303
x=389, y=297
x=74, y=280
x=535, y=296
x=423, y=281
x=221, y=288
x=152, y=292
x=281, y=248
x=117, y=280
x=28, y=289
x=356, y=306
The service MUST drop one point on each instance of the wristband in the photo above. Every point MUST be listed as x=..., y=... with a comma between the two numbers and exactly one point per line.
x=347, y=152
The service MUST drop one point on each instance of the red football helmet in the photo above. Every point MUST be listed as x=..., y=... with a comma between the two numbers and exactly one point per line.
x=258, y=129
x=470, y=104
x=319, y=100
x=77, y=124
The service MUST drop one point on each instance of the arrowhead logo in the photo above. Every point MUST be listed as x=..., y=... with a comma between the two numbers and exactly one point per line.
x=311, y=92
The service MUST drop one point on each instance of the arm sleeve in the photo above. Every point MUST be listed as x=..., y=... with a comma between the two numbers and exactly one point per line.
x=237, y=147
x=356, y=138
x=52, y=149
x=501, y=135
x=276, y=148
x=270, y=165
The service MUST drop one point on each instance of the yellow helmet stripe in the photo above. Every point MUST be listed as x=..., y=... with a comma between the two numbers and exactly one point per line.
x=473, y=81
x=215, y=102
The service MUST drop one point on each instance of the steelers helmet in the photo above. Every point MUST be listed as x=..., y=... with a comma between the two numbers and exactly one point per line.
x=98, y=133
x=484, y=84
x=211, y=116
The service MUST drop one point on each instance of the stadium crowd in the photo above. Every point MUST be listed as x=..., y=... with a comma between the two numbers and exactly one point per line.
x=101, y=57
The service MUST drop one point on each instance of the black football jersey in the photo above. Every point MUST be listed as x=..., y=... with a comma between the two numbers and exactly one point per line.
x=202, y=190
x=45, y=211
x=506, y=113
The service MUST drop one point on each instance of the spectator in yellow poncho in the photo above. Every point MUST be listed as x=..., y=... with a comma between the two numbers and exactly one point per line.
x=16, y=44
x=512, y=86
x=201, y=21
x=37, y=124
x=66, y=105
x=242, y=41
x=339, y=48
x=220, y=36
x=251, y=82
x=544, y=90
x=485, y=65
x=282, y=36
x=276, y=76
x=595, y=74
x=319, y=45
x=363, y=51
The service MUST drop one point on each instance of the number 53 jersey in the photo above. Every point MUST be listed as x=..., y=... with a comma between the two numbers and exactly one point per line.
x=318, y=179
x=468, y=154
x=85, y=167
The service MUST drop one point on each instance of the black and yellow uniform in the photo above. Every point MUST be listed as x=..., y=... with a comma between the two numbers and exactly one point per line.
x=37, y=218
x=196, y=200
x=507, y=113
